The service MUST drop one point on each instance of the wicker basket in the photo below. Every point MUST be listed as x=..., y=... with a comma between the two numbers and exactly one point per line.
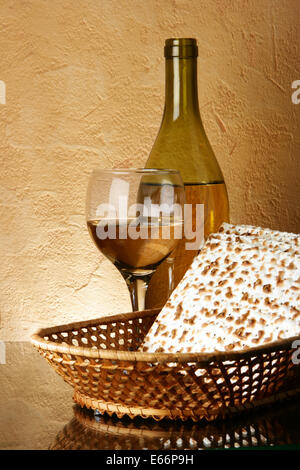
x=99, y=358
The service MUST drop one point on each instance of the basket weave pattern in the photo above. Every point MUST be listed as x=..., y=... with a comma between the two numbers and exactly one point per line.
x=100, y=360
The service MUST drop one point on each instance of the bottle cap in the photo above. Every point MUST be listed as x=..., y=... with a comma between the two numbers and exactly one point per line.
x=181, y=47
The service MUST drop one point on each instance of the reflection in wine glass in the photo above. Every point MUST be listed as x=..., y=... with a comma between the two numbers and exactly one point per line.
x=135, y=217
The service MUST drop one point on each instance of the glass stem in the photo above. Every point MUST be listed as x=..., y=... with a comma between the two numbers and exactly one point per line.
x=137, y=287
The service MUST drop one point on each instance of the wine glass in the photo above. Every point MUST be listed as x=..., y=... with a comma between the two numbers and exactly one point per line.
x=135, y=218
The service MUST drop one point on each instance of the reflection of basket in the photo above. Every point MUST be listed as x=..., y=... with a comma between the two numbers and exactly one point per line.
x=99, y=358
x=109, y=433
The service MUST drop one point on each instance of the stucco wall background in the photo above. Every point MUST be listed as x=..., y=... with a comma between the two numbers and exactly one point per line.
x=85, y=88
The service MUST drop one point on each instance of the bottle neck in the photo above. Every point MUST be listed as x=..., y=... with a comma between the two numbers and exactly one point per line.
x=181, y=91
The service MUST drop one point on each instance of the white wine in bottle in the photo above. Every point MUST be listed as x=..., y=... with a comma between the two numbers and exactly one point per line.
x=182, y=144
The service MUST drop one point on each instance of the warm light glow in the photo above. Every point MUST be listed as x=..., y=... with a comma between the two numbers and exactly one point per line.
x=85, y=88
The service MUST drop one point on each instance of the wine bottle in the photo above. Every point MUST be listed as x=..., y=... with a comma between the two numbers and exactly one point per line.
x=182, y=144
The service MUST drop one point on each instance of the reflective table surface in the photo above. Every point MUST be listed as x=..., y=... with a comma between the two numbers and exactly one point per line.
x=37, y=412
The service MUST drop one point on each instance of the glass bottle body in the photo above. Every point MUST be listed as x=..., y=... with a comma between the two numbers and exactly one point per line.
x=182, y=144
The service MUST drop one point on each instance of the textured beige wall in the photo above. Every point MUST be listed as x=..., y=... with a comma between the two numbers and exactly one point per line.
x=85, y=88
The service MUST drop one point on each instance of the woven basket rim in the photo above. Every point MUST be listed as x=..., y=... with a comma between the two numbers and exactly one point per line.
x=38, y=340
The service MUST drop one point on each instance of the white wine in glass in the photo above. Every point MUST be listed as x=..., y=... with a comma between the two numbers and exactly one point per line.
x=135, y=218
